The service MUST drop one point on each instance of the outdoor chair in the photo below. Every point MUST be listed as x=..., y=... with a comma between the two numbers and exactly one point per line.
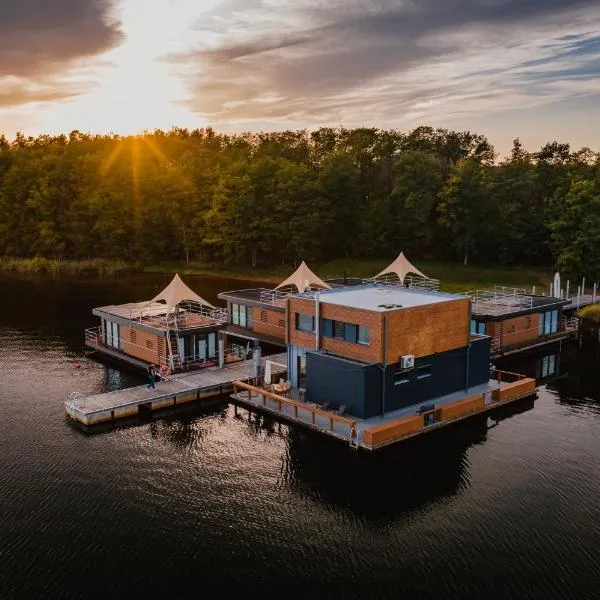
x=341, y=410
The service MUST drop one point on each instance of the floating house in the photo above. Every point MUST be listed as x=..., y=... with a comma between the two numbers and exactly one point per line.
x=177, y=329
x=516, y=321
x=381, y=361
x=259, y=314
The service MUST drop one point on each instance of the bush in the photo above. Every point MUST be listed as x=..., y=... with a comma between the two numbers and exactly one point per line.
x=590, y=313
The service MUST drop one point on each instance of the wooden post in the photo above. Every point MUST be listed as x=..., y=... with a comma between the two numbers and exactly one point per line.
x=295, y=411
x=313, y=416
x=279, y=405
x=330, y=423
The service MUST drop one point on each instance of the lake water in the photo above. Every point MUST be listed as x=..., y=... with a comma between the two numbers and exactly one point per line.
x=210, y=504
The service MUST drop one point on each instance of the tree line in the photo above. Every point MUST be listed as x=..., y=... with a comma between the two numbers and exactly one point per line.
x=276, y=198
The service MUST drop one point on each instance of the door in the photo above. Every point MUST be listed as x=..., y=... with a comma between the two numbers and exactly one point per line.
x=202, y=348
x=212, y=345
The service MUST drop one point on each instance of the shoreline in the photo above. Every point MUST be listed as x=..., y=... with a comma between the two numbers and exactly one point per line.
x=454, y=277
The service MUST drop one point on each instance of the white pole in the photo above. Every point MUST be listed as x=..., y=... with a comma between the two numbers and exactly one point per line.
x=562, y=293
x=567, y=288
x=594, y=293
x=578, y=294
x=317, y=320
x=583, y=287
x=533, y=291
x=551, y=292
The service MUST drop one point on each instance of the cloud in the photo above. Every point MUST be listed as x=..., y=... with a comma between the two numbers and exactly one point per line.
x=387, y=61
x=43, y=39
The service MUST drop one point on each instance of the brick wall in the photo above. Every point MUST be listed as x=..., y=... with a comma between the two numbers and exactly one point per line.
x=268, y=322
x=371, y=352
x=517, y=330
x=429, y=329
x=146, y=346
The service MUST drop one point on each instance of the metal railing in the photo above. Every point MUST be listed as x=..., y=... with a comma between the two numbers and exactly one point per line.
x=410, y=281
x=499, y=300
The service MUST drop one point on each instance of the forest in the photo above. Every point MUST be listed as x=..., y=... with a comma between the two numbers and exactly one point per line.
x=264, y=199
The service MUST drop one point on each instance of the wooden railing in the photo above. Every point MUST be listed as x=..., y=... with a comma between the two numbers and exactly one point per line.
x=314, y=411
x=507, y=376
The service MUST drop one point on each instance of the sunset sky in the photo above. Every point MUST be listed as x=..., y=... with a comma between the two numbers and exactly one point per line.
x=504, y=68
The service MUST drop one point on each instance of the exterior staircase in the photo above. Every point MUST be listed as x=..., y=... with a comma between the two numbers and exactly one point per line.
x=174, y=351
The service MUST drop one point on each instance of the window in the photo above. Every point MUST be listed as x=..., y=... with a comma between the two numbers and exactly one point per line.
x=548, y=322
x=363, y=334
x=149, y=345
x=242, y=315
x=401, y=377
x=350, y=333
x=338, y=330
x=235, y=314
x=423, y=371
x=477, y=327
x=305, y=322
x=132, y=335
x=281, y=323
x=548, y=365
x=528, y=322
x=327, y=328
x=263, y=316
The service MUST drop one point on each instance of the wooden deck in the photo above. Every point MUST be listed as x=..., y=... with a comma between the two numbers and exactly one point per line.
x=378, y=432
x=180, y=388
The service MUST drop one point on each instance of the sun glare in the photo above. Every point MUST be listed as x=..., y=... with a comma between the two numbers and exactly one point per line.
x=136, y=91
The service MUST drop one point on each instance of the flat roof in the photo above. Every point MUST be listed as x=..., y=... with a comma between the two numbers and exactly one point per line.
x=134, y=310
x=382, y=298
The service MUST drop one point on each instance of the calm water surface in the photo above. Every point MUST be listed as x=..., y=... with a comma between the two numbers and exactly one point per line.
x=210, y=504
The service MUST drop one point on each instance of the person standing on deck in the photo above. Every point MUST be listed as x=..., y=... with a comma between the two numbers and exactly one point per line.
x=151, y=377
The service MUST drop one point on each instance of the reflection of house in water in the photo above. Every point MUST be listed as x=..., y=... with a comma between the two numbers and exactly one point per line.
x=392, y=484
x=579, y=367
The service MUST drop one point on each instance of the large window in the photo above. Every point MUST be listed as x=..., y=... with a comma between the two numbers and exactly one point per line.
x=363, y=334
x=548, y=322
x=241, y=315
x=349, y=332
x=477, y=327
x=305, y=322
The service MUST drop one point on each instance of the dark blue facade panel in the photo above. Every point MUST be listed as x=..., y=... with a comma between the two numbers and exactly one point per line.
x=359, y=386
x=340, y=381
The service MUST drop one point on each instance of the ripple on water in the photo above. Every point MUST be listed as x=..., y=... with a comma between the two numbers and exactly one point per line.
x=210, y=502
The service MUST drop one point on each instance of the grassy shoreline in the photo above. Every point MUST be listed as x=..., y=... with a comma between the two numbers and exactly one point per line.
x=454, y=277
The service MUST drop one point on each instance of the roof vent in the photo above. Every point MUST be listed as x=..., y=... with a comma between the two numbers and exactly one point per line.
x=389, y=306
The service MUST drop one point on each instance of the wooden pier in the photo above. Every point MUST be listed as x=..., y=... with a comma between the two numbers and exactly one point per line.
x=395, y=426
x=177, y=389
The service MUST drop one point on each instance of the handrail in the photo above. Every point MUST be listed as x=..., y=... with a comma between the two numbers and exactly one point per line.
x=504, y=375
x=303, y=405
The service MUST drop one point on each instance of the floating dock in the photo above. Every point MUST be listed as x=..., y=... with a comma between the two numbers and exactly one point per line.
x=177, y=389
x=378, y=432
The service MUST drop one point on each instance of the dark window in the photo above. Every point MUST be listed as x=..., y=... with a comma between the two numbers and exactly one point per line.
x=263, y=316
x=327, y=328
x=350, y=332
x=235, y=314
x=423, y=371
x=338, y=330
x=305, y=322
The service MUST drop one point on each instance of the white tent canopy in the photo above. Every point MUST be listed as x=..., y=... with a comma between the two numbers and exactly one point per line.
x=401, y=267
x=177, y=292
x=303, y=278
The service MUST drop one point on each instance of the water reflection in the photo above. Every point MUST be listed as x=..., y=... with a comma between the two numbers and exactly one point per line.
x=544, y=365
x=391, y=484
